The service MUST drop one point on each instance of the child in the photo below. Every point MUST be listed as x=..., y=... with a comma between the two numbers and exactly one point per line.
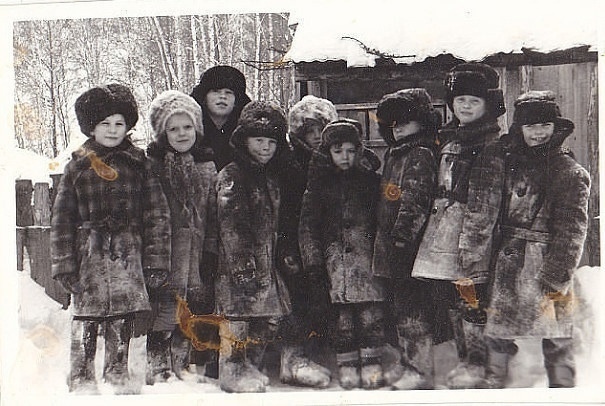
x=188, y=182
x=250, y=292
x=408, y=123
x=336, y=236
x=221, y=93
x=537, y=194
x=472, y=94
x=110, y=235
x=306, y=121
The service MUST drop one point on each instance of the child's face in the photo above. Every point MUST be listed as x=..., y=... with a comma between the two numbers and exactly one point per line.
x=537, y=134
x=343, y=155
x=261, y=149
x=401, y=131
x=180, y=132
x=111, y=131
x=469, y=108
x=220, y=102
x=313, y=137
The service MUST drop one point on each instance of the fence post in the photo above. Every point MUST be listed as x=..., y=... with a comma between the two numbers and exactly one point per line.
x=24, y=215
x=39, y=247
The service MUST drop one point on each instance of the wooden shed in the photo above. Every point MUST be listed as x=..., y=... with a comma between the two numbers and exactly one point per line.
x=355, y=90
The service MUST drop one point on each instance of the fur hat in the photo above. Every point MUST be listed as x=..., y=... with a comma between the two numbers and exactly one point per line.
x=540, y=106
x=340, y=131
x=537, y=106
x=169, y=103
x=475, y=79
x=98, y=103
x=260, y=119
x=310, y=111
x=404, y=106
x=221, y=77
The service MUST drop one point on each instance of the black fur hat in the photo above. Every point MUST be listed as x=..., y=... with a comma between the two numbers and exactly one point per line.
x=260, y=119
x=339, y=131
x=540, y=106
x=221, y=77
x=98, y=103
x=404, y=106
x=475, y=79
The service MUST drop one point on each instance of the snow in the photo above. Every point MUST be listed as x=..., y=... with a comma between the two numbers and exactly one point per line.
x=469, y=30
x=43, y=352
x=26, y=164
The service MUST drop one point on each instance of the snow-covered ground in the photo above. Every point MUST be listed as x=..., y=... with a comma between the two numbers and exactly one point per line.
x=41, y=362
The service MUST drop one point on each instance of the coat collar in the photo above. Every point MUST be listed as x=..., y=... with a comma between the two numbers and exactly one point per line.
x=473, y=133
x=82, y=154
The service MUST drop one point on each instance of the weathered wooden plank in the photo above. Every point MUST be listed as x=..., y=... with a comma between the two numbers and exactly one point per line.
x=21, y=241
x=23, y=196
x=56, y=178
x=41, y=204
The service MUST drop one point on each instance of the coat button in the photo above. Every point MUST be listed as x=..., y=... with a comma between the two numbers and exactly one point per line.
x=435, y=210
x=348, y=249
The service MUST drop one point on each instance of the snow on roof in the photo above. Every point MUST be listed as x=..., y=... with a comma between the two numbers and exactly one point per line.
x=469, y=30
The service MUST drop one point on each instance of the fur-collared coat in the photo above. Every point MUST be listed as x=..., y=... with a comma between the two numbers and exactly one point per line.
x=338, y=227
x=437, y=256
x=194, y=228
x=248, y=200
x=110, y=221
x=542, y=195
x=408, y=181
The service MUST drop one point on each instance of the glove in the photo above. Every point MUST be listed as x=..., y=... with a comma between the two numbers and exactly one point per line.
x=70, y=282
x=290, y=265
x=155, y=278
x=208, y=266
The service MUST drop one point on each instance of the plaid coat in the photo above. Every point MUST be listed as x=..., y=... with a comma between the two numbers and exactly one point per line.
x=110, y=221
x=437, y=256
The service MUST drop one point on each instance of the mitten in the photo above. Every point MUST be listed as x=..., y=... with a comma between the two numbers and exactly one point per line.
x=155, y=278
x=290, y=265
x=70, y=282
x=143, y=323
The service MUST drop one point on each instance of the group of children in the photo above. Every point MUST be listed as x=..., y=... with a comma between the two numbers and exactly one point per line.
x=464, y=235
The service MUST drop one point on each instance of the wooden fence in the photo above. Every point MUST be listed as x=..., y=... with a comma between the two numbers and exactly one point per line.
x=33, y=234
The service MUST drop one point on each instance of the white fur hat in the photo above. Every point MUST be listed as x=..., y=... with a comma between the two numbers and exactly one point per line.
x=169, y=103
x=310, y=110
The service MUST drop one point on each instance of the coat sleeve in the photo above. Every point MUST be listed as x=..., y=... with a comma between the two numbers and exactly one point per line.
x=233, y=214
x=417, y=186
x=310, y=228
x=211, y=232
x=64, y=225
x=156, y=223
x=569, y=224
x=485, y=194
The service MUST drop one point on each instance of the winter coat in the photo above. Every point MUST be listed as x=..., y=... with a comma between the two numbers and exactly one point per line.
x=194, y=228
x=248, y=200
x=437, y=256
x=543, y=223
x=110, y=221
x=337, y=229
x=408, y=180
x=292, y=185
